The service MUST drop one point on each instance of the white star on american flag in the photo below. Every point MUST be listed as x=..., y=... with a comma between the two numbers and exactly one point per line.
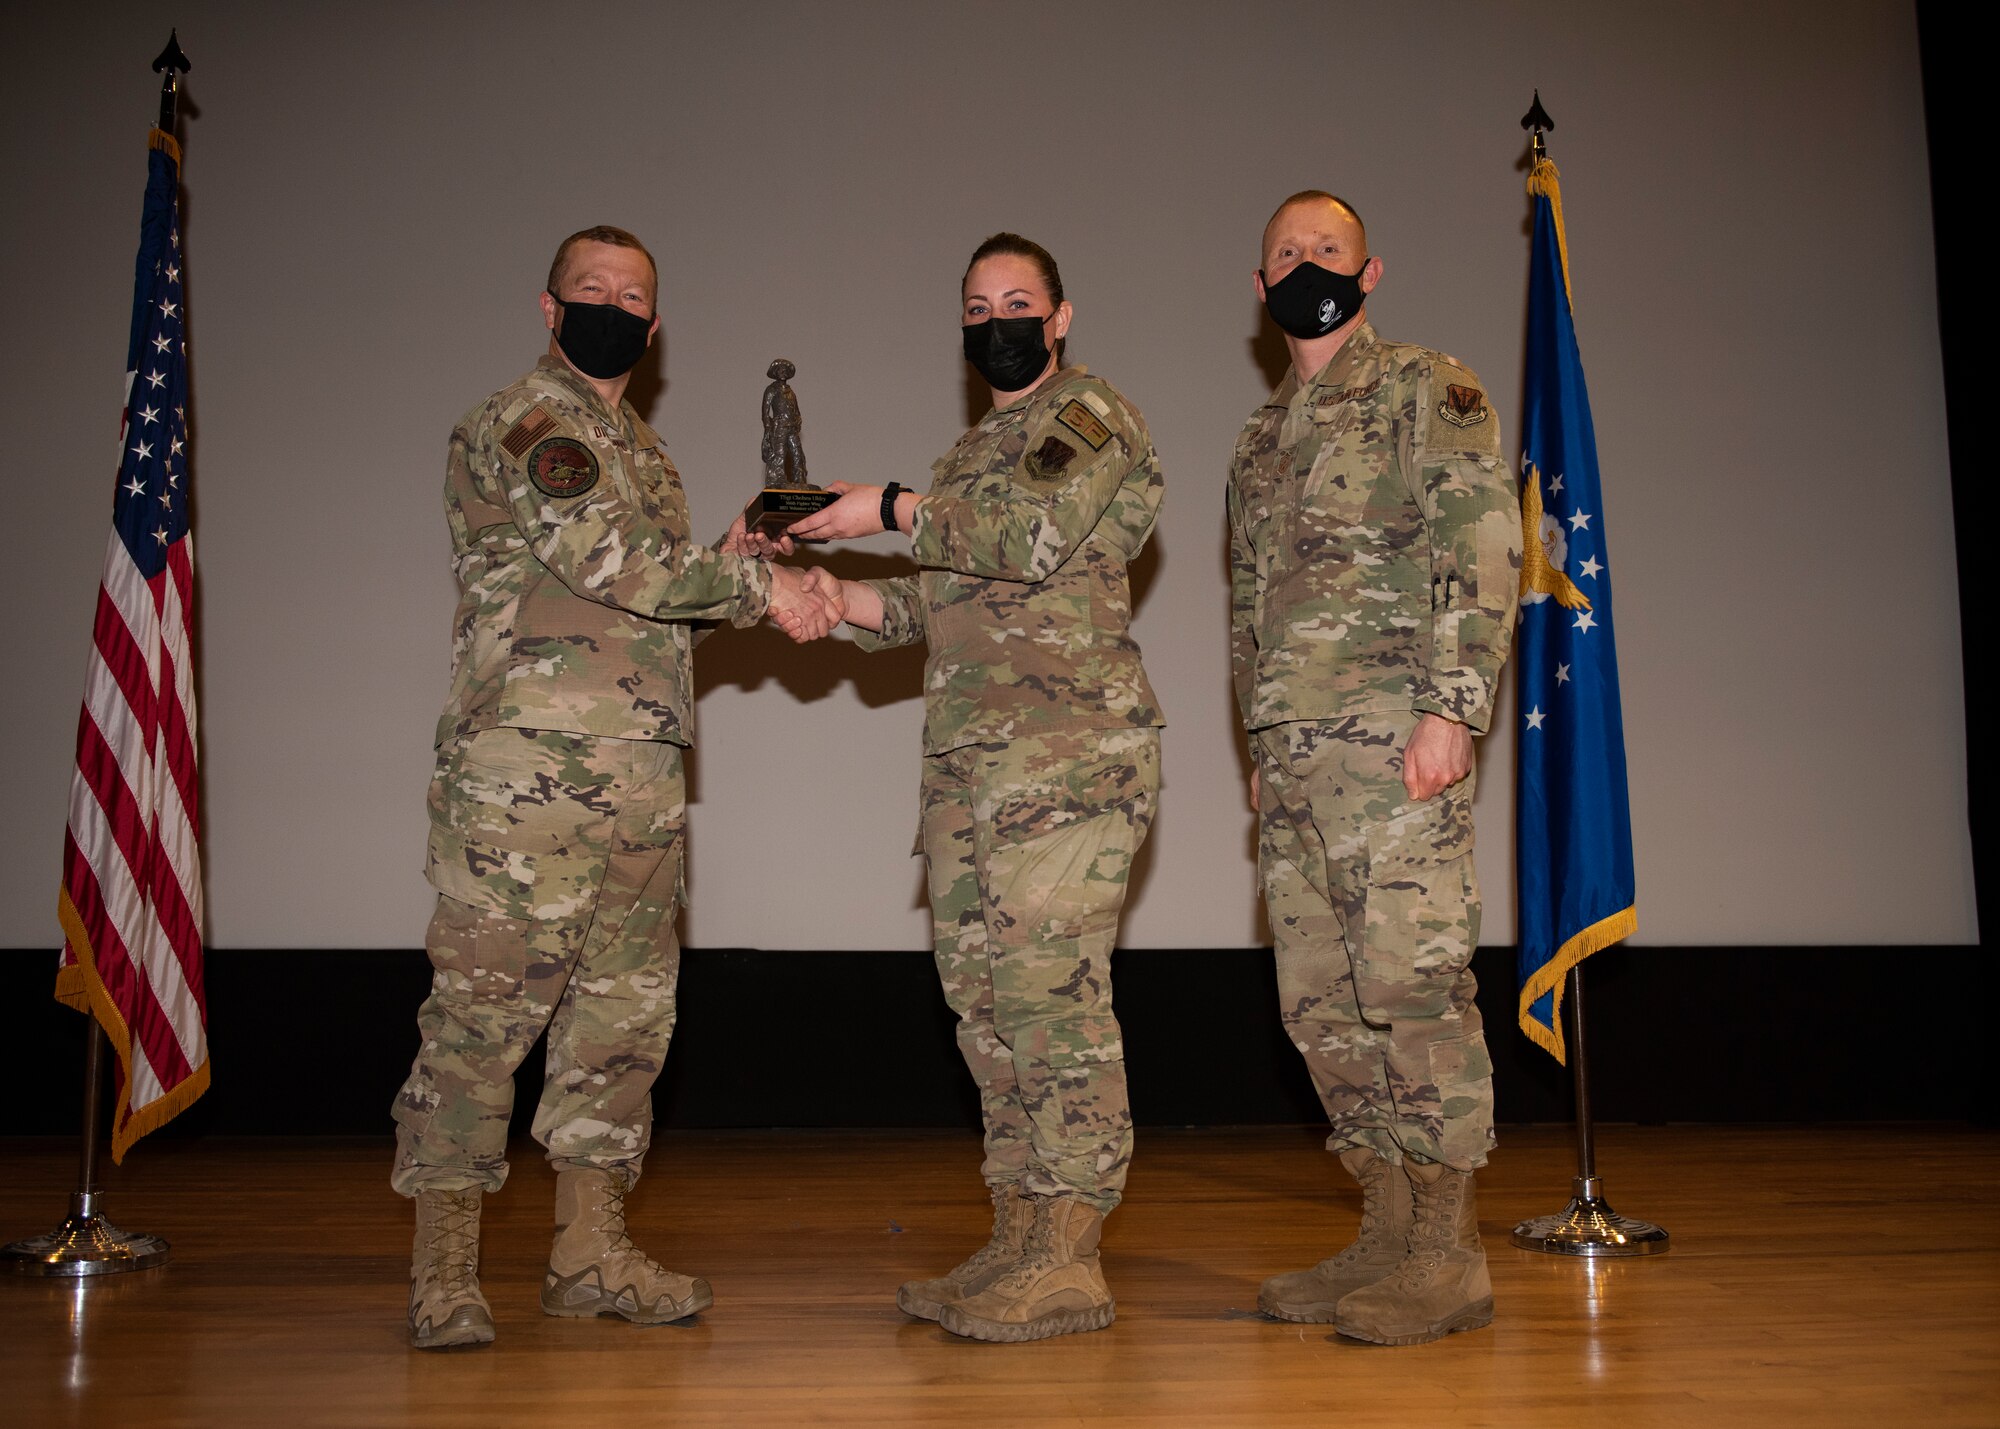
x=136, y=487
x=156, y=379
x=150, y=414
x=142, y=451
x=166, y=308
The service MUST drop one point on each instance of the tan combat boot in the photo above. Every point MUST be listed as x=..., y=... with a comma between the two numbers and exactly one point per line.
x=1055, y=1288
x=594, y=1269
x=446, y=1308
x=1012, y=1211
x=1309, y=1296
x=1442, y=1286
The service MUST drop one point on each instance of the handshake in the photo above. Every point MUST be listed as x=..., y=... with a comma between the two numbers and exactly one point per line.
x=807, y=602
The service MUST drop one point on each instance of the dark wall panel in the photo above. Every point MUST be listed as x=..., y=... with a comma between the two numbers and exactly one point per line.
x=317, y=1042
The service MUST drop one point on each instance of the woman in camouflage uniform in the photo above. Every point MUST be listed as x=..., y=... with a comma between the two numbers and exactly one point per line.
x=1041, y=768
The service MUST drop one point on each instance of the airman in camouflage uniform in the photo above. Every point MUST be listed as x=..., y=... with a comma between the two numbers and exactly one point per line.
x=1374, y=557
x=1041, y=772
x=558, y=812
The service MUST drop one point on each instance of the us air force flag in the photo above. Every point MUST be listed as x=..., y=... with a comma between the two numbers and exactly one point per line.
x=1574, y=827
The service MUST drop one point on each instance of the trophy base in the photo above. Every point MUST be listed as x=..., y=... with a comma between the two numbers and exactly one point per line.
x=775, y=508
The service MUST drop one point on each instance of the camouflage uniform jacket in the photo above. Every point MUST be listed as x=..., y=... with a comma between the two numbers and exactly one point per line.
x=1374, y=542
x=576, y=572
x=1025, y=534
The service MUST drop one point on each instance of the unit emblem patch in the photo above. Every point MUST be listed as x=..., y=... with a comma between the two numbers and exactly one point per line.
x=1050, y=457
x=1463, y=406
x=562, y=467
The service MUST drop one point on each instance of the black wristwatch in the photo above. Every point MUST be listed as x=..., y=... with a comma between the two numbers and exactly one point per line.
x=889, y=495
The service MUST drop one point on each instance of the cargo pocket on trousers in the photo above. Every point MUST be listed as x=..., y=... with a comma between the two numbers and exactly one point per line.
x=1405, y=848
x=1286, y=833
x=481, y=875
x=1422, y=909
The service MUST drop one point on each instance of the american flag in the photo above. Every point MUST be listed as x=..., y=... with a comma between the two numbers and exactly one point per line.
x=131, y=895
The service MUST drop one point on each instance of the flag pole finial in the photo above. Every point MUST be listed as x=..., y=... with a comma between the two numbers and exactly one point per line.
x=170, y=64
x=1537, y=119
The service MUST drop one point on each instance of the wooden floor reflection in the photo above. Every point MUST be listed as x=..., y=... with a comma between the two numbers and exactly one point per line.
x=1826, y=1276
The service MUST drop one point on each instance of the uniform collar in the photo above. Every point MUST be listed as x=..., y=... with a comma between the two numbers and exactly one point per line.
x=1058, y=378
x=1339, y=371
x=554, y=372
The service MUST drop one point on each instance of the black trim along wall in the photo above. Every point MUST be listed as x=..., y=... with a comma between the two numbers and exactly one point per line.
x=317, y=1042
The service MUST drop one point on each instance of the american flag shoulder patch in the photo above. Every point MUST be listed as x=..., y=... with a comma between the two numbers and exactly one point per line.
x=526, y=432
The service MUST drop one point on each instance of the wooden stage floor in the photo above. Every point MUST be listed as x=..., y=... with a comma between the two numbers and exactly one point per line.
x=1844, y=1275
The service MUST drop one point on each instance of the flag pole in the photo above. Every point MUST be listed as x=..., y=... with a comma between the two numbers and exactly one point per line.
x=1587, y=1226
x=86, y=1243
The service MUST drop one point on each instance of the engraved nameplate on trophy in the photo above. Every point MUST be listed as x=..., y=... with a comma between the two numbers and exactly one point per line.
x=787, y=495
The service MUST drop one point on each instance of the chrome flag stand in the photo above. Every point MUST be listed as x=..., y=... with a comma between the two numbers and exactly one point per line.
x=86, y=1243
x=1587, y=1225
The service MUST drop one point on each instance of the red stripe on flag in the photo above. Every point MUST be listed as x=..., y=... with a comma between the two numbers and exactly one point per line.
x=122, y=977
x=117, y=807
x=124, y=659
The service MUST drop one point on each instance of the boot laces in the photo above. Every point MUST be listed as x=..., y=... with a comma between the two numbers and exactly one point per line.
x=611, y=1208
x=1038, y=1251
x=454, y=1243
x=1376, y=1189
x=1433, y=1236
x=996, y=1248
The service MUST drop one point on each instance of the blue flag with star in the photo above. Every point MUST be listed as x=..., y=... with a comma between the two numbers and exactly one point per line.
x=1572, y=820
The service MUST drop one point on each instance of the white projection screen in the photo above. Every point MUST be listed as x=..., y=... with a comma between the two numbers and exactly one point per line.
x=373, y=192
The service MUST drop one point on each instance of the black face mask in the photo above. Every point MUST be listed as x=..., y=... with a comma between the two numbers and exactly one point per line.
x=602, y=340
x=1311, y=301
x=1009, y=352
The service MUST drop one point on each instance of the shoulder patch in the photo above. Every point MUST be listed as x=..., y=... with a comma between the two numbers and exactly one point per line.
x=1050, y=458
x=1463, y=406
x=562, y=467
x=526, y=432
x=1085, y=423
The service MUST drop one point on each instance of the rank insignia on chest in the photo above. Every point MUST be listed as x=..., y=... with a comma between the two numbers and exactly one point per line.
x=1050, y=457
x=526, y=432
x=1084, y=422
x=562, y=467
x=1463, y=406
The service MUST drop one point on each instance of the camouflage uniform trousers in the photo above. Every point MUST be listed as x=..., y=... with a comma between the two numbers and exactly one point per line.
x=1029, y=844
x=1375, y=912
x=557, y=859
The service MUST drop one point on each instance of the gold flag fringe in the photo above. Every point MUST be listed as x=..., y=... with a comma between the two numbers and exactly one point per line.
x=79, y=986
x=1548, y=978
x=161, y=139
x=1545, y=182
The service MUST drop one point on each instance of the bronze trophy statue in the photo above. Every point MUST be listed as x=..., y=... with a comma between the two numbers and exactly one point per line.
x=787, y=495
